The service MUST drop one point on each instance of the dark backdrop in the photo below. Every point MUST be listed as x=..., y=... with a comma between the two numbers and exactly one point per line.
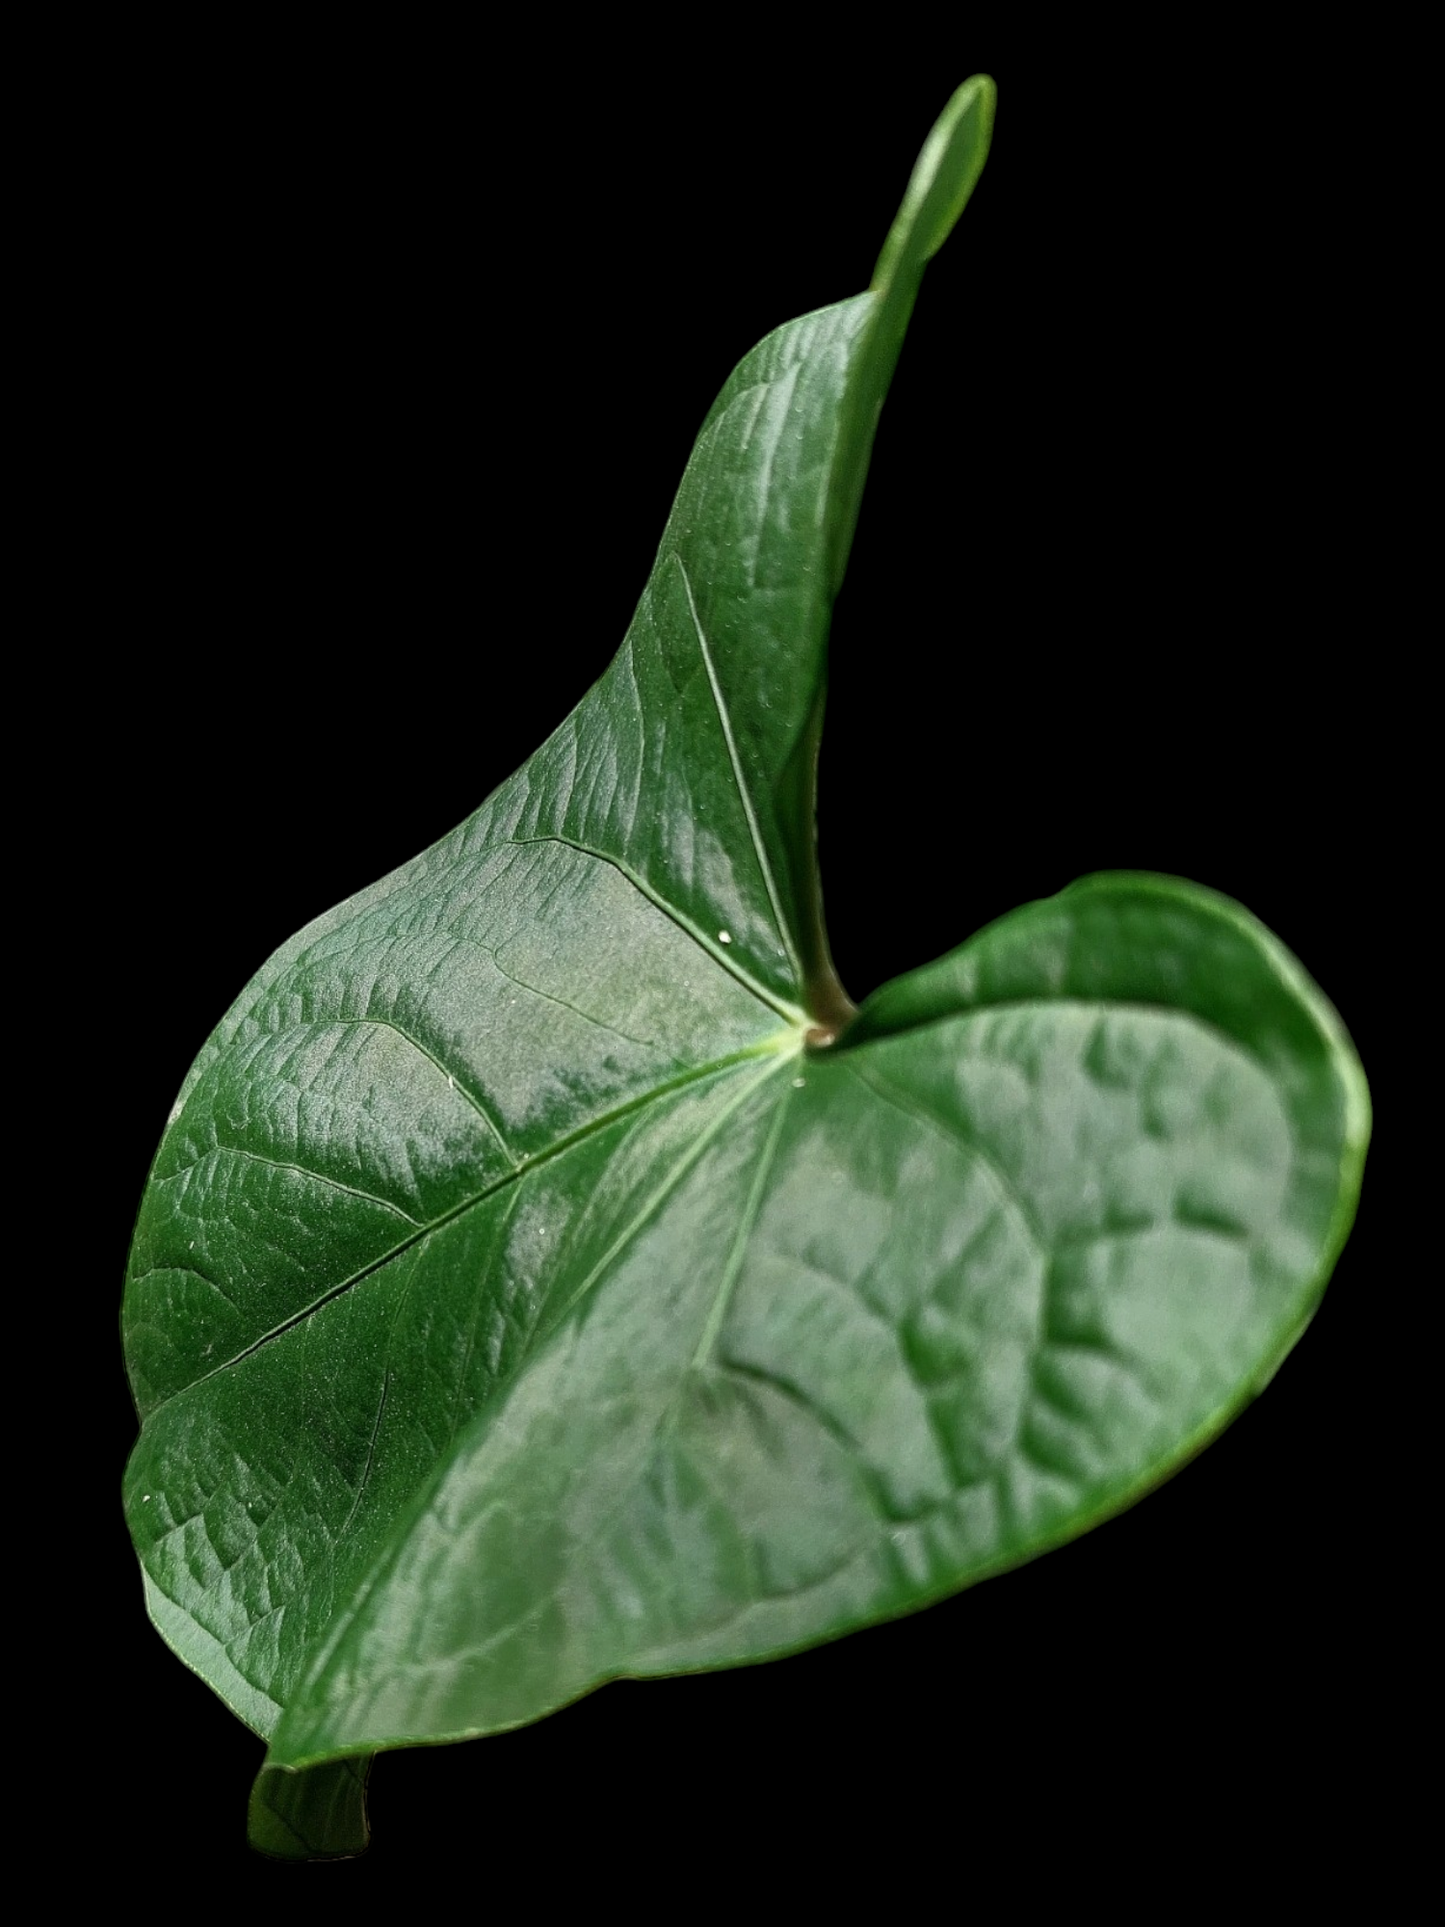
x=403, y=351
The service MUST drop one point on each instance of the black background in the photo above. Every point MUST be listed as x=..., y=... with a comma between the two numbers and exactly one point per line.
x=407, y=348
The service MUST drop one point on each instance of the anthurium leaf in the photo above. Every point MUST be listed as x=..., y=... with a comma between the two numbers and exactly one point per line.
x=547, y=1276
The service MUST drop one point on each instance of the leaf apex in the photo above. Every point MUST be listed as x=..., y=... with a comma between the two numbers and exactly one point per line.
x=943, y=178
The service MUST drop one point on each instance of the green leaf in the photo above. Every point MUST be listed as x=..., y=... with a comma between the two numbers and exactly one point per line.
x=547, y=1277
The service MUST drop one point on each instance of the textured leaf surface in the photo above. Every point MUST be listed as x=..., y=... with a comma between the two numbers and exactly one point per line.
x=521, y=1299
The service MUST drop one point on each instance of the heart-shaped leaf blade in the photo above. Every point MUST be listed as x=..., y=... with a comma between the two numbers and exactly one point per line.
x=547, y=1276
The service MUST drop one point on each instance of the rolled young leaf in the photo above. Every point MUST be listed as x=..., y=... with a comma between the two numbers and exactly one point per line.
x=545, y=1277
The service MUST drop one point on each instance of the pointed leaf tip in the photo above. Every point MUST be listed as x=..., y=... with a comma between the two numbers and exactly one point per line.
x=944, y=176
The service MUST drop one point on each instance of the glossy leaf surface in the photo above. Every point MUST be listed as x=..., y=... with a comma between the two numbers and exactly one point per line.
x=545, y=1277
